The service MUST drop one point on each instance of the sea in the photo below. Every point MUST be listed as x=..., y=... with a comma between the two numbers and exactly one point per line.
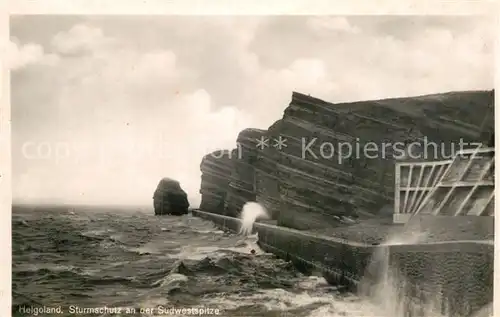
x=90, y=261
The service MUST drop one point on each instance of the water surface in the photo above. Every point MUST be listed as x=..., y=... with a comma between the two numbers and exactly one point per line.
x=129, y=258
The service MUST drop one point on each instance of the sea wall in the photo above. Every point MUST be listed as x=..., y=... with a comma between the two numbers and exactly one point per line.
x=340, y=261
x=453, y=228
x=457, y=275
x=321, y=170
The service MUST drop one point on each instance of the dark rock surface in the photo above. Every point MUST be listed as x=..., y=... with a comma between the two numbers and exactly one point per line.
x=169, y=198
x=242, y=187
x=313, y=189
x=216, y=170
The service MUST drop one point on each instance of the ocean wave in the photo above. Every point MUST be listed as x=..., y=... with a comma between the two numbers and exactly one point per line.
x=97, y=233
x=95, y=258
x=171, y=280
x=42, y=269
x=311, y=303
x=20, y=222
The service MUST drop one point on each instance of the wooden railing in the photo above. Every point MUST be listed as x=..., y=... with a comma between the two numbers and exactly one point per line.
x=462, y=186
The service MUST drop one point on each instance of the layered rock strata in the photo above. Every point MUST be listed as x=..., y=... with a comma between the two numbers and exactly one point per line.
x=169, y=198
x=242, y=187
x=216, y=169
x=338, y=160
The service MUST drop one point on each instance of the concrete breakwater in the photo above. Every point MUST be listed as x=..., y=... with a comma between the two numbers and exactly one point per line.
x=452, y=278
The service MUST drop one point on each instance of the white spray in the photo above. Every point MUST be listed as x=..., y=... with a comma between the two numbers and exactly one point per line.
x=249, y=214
x=389, y=291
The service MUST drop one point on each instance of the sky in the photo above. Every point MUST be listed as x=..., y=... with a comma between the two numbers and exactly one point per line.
x=103, y=107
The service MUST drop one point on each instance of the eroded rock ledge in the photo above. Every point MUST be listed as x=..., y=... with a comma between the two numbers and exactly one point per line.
x=304, y=185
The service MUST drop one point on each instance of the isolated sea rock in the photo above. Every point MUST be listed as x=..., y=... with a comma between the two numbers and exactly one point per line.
x=337, y=160
x=169, y=198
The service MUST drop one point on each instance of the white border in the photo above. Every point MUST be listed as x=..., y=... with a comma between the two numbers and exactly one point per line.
x=496, y=287
x=249, y=7
x=5, y=177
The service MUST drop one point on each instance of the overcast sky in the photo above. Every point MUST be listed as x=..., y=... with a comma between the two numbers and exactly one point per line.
x=103, y=107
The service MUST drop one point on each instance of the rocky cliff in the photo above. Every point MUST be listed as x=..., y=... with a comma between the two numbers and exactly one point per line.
x=338, y=160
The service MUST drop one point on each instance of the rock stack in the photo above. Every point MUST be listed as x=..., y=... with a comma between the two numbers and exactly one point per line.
x=323, y=161
x=169, y=198
x=266, y=177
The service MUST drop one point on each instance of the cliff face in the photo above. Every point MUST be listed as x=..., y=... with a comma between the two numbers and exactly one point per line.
x=216, y=171
x=338, y=159
x=228, y=178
